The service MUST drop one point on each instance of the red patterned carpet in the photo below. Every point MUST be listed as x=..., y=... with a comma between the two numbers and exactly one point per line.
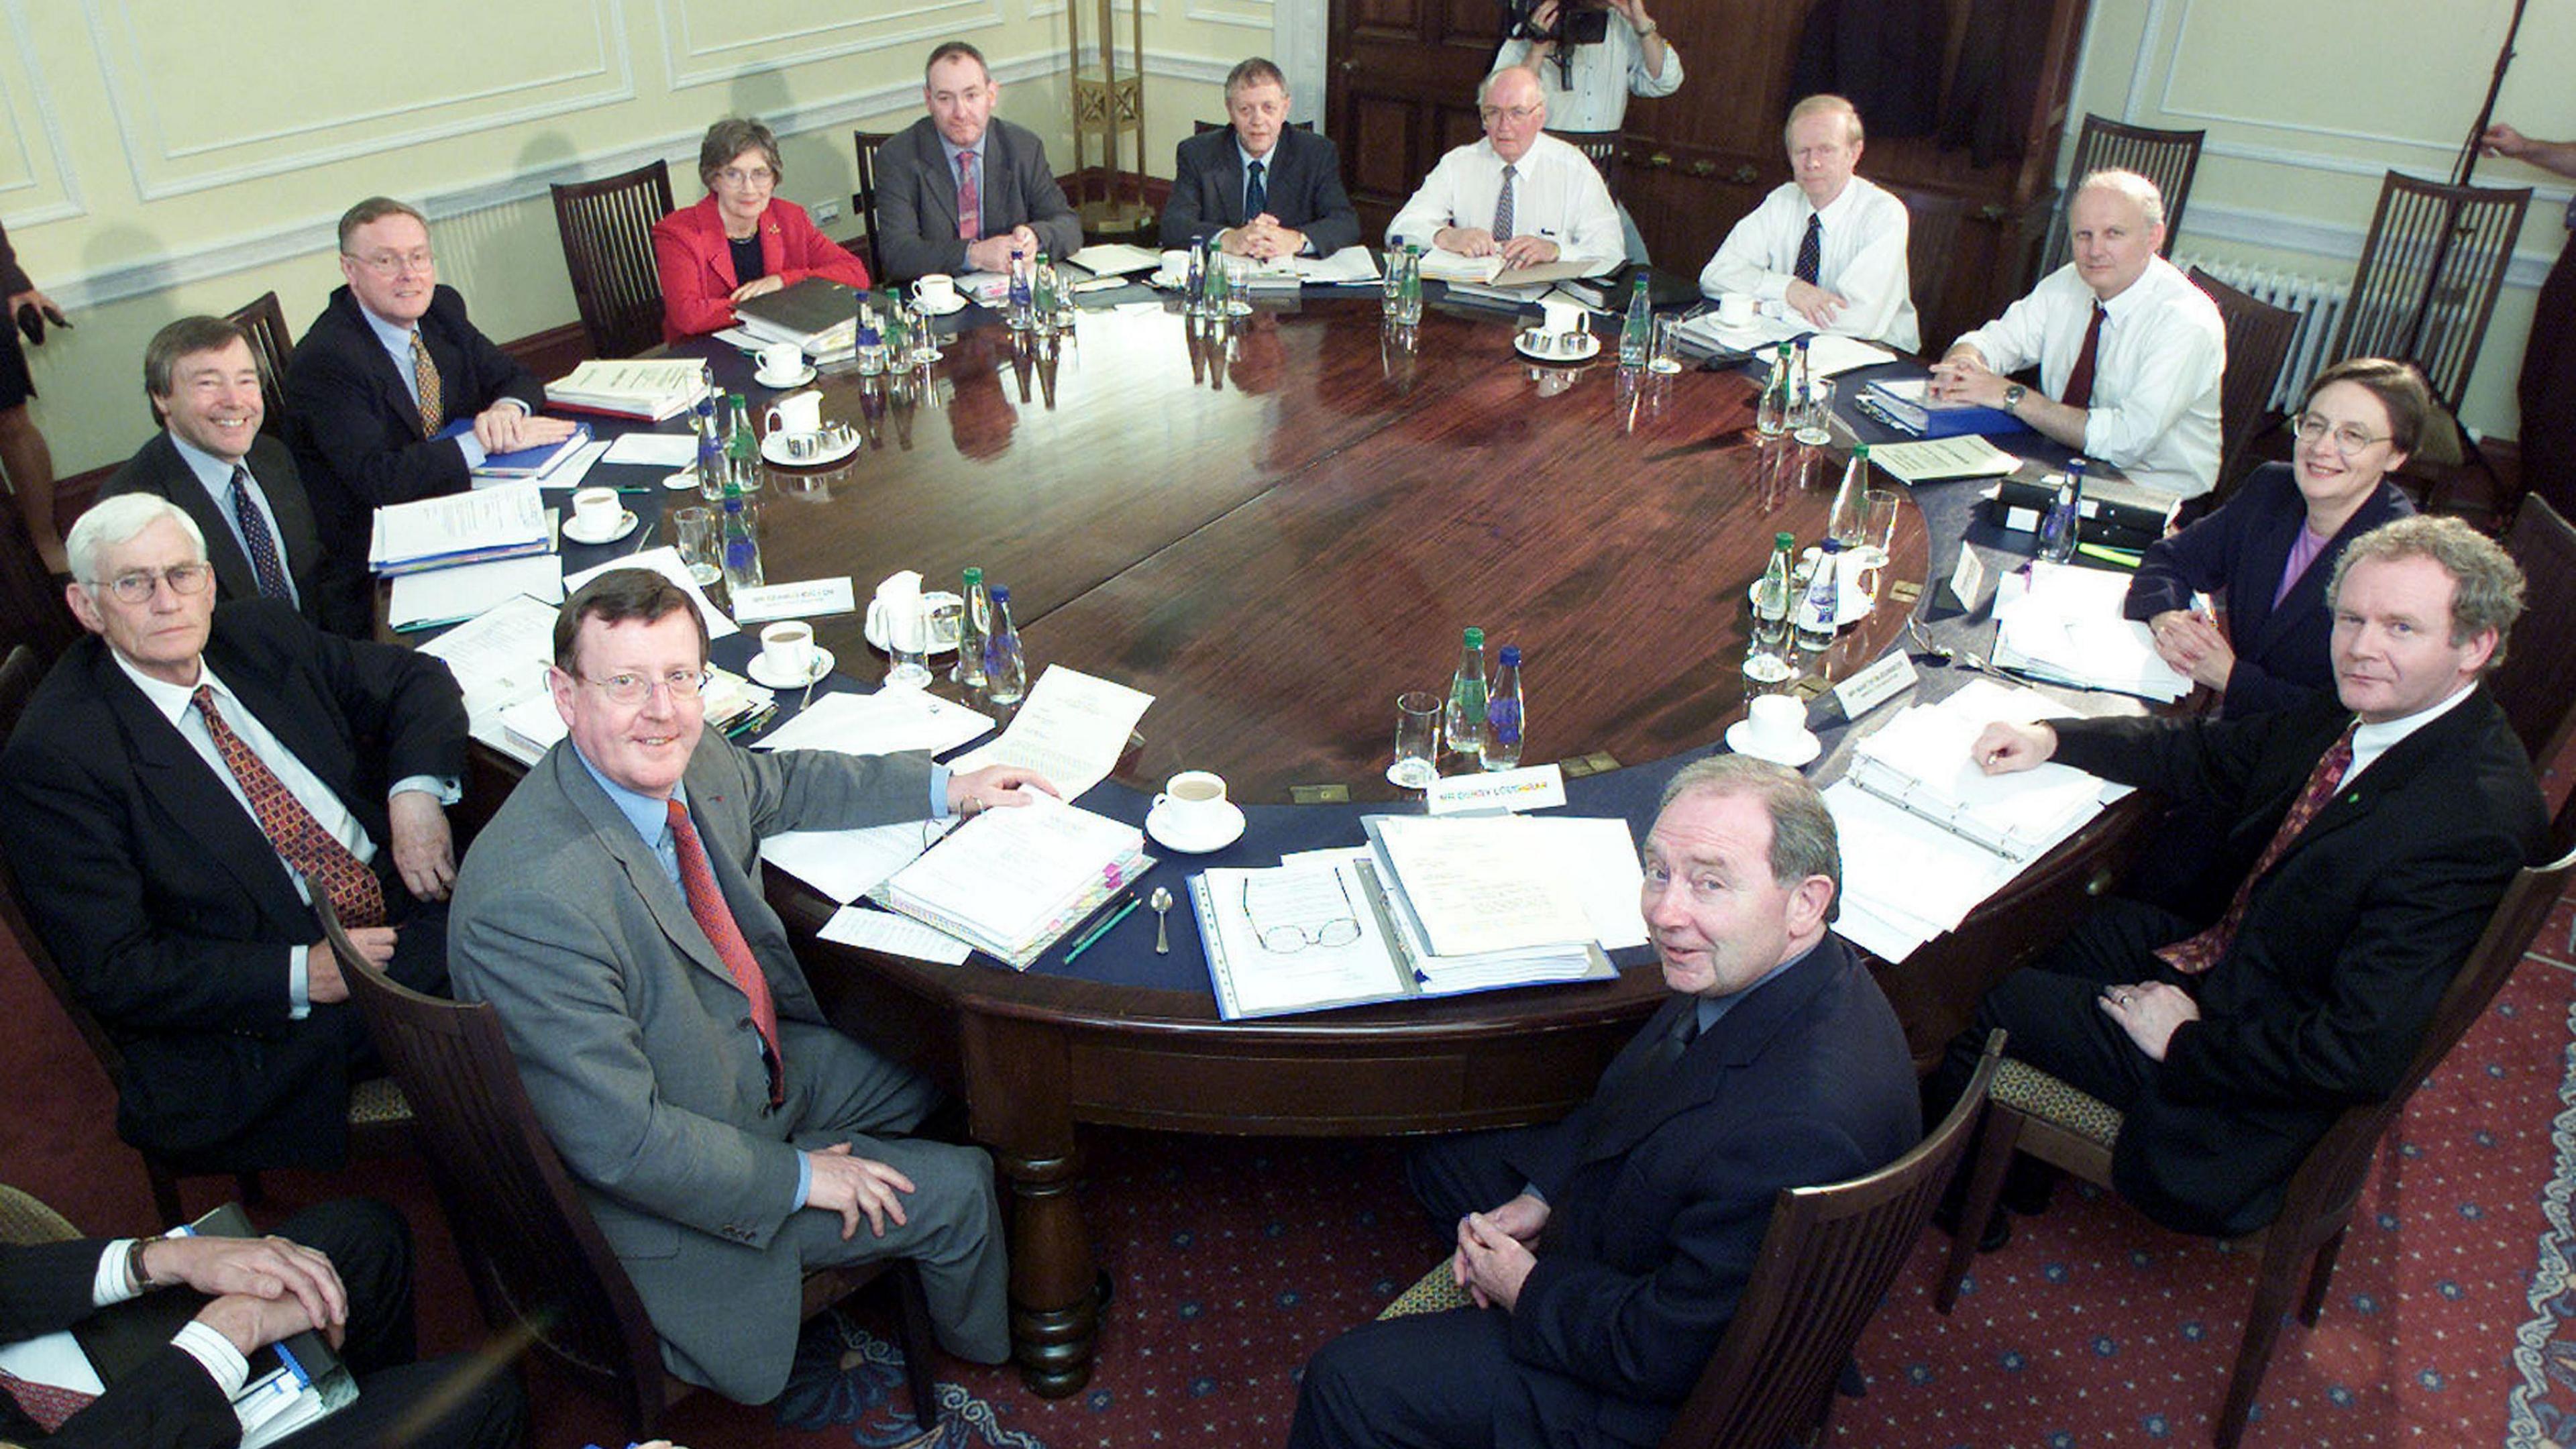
x=1235, y=1259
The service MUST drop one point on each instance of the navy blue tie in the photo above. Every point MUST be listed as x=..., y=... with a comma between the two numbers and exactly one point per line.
x=257, y=541
x=1811, y=250
x=1256, y=197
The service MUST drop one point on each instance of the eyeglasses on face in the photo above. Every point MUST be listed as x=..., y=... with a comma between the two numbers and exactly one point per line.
x=737, y=176
x=1491, y=114
x=634, y=689
x=138, y=585
x=393, y=264
x=2348, y=437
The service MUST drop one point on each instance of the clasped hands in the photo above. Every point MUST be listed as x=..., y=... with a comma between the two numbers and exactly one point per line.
x=264, y=1288
x=1964, y=377
x=993, y=253
x=506, y=427
x=1495, y=1254
x=1524, y=250
x=1262, y=239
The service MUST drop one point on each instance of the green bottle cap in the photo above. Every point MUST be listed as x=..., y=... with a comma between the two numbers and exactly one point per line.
x=1860, y=452
x=1784, y=539
x=974, y=577
x=1475, y=638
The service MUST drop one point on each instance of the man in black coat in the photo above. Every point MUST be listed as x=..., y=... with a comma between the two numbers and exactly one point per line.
x=1607, y=1252
x=2373, y=833
x=390, y=365
x=181, y=786
x=1301, y=208
x=236, y=481
x=343, y=1267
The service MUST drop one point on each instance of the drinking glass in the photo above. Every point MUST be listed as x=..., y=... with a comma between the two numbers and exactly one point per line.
x=1816, y=414
x=1417, y=740
x=1878, y=528
x=925, y=335
x=696, y=530
x=1238, y=287
x=1666, y=356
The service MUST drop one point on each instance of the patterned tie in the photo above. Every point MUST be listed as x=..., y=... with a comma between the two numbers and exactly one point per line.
x=1256, y=195
x=424, y=375
x=707, y=904
x=356, y=896
x=2079, y=383
x=1503, y=206
x=257, y=541
x=970, y=200
x=48, y=1405
x=1811, y=250
x=2201, y=952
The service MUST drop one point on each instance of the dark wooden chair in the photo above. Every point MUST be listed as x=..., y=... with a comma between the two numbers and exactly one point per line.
x=272, y=342
x=863, y=202
x=540, y=1267
x=2167, y=158
x=32, y=611
x=2427, y=283
x=2036, y=1113
x=380, y=1120
x=1826, y=1262
x=607, y=228
x=2258, y=344
x=2536, y=684
x=1601, y=148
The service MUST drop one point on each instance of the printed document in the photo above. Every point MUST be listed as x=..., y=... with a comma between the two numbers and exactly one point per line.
x=1072, y=728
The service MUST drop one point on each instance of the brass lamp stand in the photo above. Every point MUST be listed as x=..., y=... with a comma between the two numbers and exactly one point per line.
x=1107, y=102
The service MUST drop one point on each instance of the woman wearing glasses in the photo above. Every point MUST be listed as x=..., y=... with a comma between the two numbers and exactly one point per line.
x=2270, y=550
x=740, y=241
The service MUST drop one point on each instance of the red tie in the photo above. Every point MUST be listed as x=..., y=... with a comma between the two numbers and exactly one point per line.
x=356, y=896
x=970, y=200
x=2079, y=383
x=707, y=904
x=48, y=1405
x=2202, y=951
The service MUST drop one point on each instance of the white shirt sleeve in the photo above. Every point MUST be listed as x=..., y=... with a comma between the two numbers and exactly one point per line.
x=1743, y=262
x=1874, y=280
x=2016, y=339
x=1592, y=233
x=1433, y=205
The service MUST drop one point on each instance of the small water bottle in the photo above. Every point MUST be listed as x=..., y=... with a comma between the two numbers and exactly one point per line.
x=1006, y=673
x=1637, y=334
x=2063, y=527
x=711, y=450
x=1042, y=297
x=1212, y=281
x=741, y=548
x=1822, y=601
x=1771, y=416
x=1465, y=725
x=1020, y=285
x=1767, y=662
x=742, y=451
x=1193, y=293
x=1391, y=286
x=1503, y=717
x=974, y=622
x=1408, y=306
x=870, y=347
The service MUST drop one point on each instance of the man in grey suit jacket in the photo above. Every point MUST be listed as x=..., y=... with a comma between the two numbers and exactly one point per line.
x=1303, y=210
x=924, y=221
x=725, y=1136
x=238, y=483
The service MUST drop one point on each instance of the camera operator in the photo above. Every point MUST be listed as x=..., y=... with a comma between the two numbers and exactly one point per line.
x=1590, y=55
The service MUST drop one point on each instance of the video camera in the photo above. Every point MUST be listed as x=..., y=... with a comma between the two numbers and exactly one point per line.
x=1578, y=22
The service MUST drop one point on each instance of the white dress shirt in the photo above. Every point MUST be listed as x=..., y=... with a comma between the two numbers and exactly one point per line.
x=2155, y=379
x=1605, y=75
x=2370, y=741
x=1862, y=260
x=1556, y=194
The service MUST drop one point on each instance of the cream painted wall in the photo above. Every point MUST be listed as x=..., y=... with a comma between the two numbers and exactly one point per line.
x=2309, y=102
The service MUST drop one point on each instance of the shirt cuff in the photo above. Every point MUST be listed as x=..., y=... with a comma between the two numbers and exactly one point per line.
x=114, y=1281
x=224, y=1363
x=299, y=984
x=939, y=792
x=472, y=447
x=804, y=1181
x=444, y=787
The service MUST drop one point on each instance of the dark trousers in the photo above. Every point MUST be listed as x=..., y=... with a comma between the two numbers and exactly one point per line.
x=2548, y=388
x=2049, y=1009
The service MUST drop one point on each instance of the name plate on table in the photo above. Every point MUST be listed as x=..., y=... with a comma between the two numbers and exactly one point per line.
x=1875, y=685
x=794, y=601
x=1968, y=580
x=1536, y=787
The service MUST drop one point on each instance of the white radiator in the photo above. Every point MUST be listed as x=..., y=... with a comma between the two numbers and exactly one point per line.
x=2318, y=302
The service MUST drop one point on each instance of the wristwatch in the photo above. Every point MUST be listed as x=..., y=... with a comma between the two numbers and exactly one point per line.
x=135, y=1277
x=2013, y=396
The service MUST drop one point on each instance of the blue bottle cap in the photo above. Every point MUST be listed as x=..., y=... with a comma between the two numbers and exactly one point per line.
x=1512, y=655
x=1001, y=593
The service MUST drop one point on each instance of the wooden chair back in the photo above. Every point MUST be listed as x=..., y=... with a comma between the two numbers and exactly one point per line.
x=272, y=342
x=2258, y=345
x=2167, y=158
x=607, y=228
x=2536, y=684
x=1601, y=148
x=863, y=202
x=2429, y=275
x=1826, y=1263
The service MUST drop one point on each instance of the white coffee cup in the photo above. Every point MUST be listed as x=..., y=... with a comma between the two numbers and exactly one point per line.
x=595, y=510
x=796, y=413
x=781, y=360
x=1735, y=309
x=787, y=650
x=938, y=291
x=1564, y=325
x=1194, y=802
x=1778, y=723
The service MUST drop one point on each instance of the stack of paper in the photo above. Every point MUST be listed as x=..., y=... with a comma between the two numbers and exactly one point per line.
x=647, y=389
x=1115, y=259
x=2063, y=624
x=1010, y=881
x=1483, y=900
x=446, y=596
x=879, y=724
x=1926, y=834
x=499, y=659
x=817, y=314
x=1071, y=729
x=490, y=523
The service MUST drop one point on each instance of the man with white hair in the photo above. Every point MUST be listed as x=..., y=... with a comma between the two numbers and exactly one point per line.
x=2129, y=351
x=1826, y=248
x=183, y=786
x=1519, y=193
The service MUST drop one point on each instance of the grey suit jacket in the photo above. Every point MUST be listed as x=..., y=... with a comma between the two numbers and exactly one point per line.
x=634, y=1041
x=157, y=468
x=917, y=199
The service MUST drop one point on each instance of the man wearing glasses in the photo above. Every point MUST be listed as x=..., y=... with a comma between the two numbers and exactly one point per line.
x=1519, y=193
x=725, y=1135
x=393, y=395
x=960, y=190
x=182, y=787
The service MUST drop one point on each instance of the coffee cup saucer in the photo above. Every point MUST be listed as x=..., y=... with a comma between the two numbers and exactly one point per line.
x=774, y=449
x=768, y=678
x=798, y=378
x=956, y=303
x=1160, y=823
x=624, y=525
x=1531, y=344
x=1740, y=737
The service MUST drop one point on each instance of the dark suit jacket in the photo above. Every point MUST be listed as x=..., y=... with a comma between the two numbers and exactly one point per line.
x=357, y=436
x=157, y=468
x=168, y=1402
x=168, y=909
x=1304, y=179
x=917, y=199
x=2346, y=944
x=1656, y=1213
x=695, y=262
x=2282, y=655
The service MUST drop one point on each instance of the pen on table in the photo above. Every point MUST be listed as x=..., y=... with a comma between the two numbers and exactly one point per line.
x=1098, y=931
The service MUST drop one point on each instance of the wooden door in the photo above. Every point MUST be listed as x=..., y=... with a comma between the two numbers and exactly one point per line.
x=1401, y=91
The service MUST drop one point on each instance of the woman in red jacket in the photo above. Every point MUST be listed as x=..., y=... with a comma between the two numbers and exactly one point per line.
x=741, y=240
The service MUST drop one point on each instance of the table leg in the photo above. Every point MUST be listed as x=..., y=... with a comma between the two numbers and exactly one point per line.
x=1055, y=1302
